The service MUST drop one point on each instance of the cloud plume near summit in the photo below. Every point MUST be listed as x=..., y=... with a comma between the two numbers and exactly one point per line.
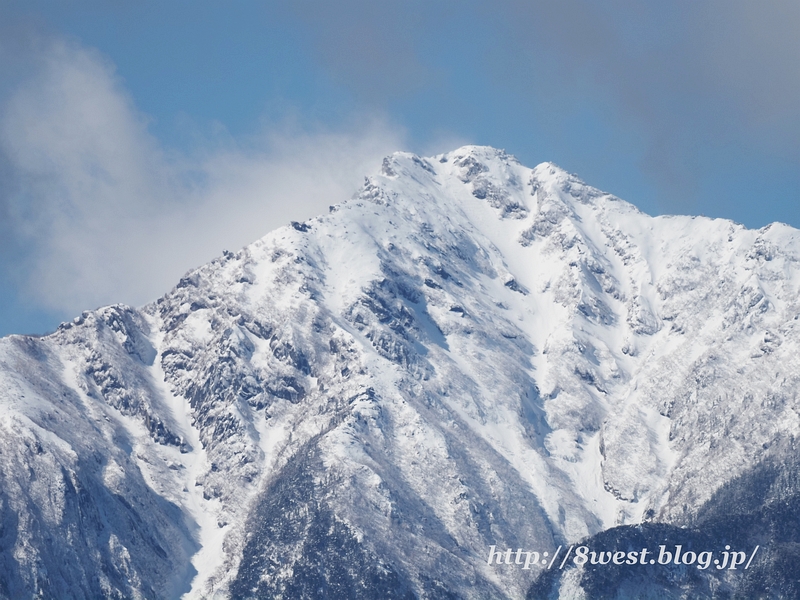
x=96, y=210
x=682, y=108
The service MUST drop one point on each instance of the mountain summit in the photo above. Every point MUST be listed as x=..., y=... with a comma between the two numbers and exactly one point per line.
x=468, y=355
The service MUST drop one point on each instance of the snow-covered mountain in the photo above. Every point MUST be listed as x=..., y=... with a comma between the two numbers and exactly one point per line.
x=468, y=353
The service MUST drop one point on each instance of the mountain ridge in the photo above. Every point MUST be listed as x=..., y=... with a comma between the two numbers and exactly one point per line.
x=467, y=353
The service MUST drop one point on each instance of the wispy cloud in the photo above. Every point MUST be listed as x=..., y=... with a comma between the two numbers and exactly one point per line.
x=95, y=210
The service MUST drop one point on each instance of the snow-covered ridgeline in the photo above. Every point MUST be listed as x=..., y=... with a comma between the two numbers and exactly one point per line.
x=469, y=352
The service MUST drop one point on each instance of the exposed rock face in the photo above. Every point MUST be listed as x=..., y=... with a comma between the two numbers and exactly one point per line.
x=468, y=353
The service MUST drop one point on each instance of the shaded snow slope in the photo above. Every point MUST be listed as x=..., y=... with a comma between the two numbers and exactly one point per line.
x=469, y=352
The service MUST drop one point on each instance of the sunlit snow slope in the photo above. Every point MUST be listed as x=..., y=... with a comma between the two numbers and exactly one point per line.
x=469, y=352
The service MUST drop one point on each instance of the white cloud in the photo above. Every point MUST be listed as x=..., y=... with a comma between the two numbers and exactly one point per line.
x=102, y=213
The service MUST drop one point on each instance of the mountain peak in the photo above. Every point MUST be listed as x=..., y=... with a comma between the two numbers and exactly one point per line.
x=468, y=354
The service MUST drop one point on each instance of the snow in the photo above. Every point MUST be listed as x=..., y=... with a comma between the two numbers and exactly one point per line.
x=483, y=353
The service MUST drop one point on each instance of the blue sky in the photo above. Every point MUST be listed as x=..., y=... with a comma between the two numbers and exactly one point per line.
x=140, y=139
